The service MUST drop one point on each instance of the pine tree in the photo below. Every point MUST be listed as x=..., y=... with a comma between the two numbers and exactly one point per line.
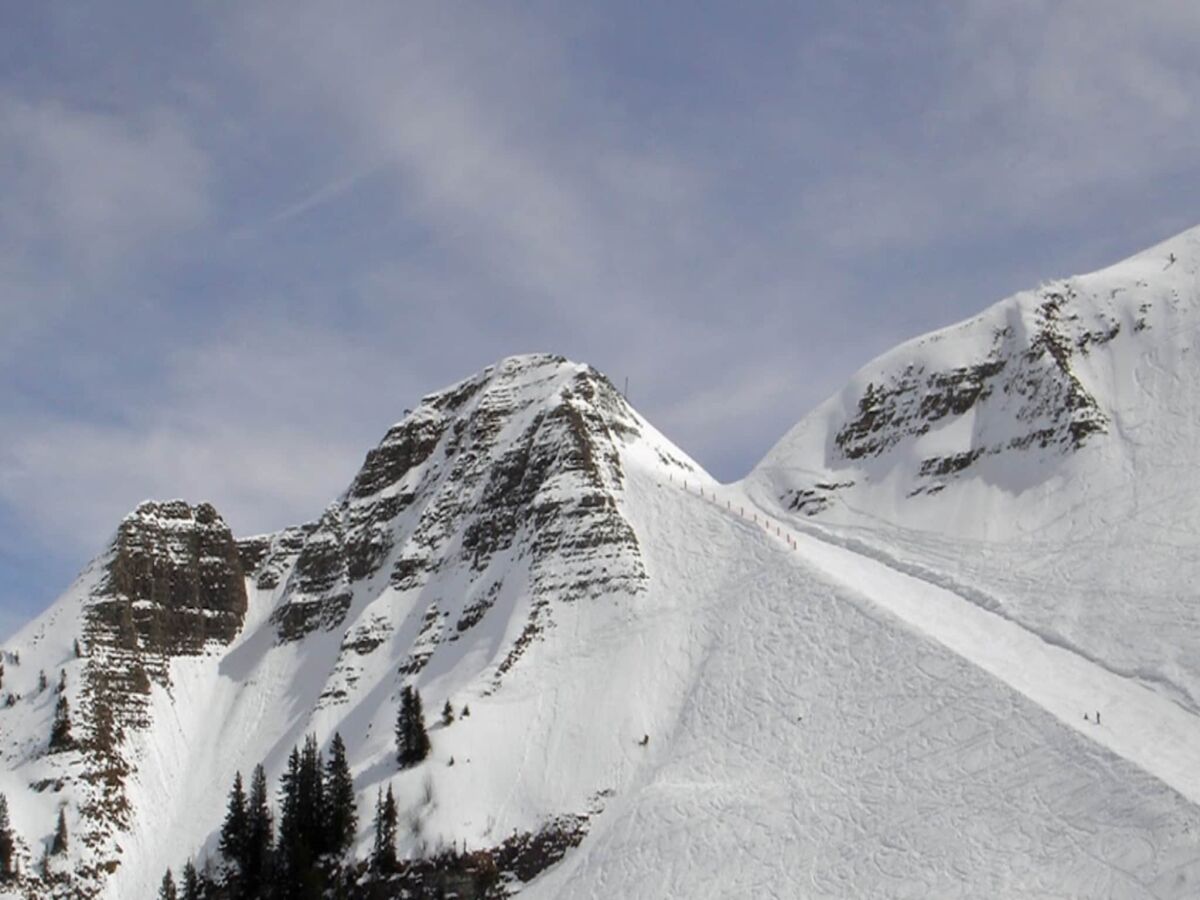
x=62, y=680
x=466, y=712
x=191, y=882
x=383, y=852
x=233, y=830
x=313, y=797
x=259, y=836
x=167, y=890
x=341, y=814
x=7, y=845
x=60, y=731
x=300, y=831
x=289, y=796
x=61, y=840
x=412, y=741
x=42, y=682
x=447, y=713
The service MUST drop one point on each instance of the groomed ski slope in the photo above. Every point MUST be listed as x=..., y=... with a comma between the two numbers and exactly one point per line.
x=851, y=731
x=1135, y=722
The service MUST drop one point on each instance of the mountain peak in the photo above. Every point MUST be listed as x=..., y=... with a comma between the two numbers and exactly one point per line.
x=493, y=461
x=512, y=392
x=1004, y=399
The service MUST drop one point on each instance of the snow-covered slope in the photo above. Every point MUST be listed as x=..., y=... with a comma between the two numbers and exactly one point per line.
x=837, y=742
x=862, y=672
x=1039, y=458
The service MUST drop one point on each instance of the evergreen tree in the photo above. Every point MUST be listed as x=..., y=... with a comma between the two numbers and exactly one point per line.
x=59, y=843
x=383, y=852
x=289, y=796
x=167, y=890
x=233, y=830
x=60, y=731
x=288, y=846
x=42, y=682
x=341, y=815
x=412, y=741
x=447, y=713
x=466, y=711
x=62, y=680
x=313, y=797
x=300, y=825
x=7, y=845
x=259, y=836
x=191, y=882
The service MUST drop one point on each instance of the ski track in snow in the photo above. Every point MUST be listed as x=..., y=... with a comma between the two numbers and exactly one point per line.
x=830, y=746
x=1136, y=722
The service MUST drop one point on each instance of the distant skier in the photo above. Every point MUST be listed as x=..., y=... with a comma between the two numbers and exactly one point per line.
x=1086, y=717
x=1097, y=717
x=644, y=741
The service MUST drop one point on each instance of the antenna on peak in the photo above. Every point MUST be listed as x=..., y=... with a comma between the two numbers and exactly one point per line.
x=625, y=393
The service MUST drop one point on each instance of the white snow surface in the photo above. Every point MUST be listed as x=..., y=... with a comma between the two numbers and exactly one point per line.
x=881, y=697
x=1097, y=548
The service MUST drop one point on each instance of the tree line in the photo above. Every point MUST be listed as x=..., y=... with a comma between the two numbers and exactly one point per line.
x=304, y=849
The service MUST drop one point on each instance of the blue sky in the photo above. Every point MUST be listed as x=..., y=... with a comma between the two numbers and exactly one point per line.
x=238, y=240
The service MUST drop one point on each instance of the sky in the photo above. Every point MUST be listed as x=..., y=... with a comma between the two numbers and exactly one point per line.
x=238, y=240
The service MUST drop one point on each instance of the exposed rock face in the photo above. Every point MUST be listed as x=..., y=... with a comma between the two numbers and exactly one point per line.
x=174, y=584
x=171, y=585
x=520, y=463
x=1030, y=372
x=266, y=559
x=487, y=874
x=1024, y=394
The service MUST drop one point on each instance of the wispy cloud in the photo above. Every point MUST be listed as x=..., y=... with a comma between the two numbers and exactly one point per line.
x=226, y=266
x=97, y=187
x=90, y=198
x=476, y=117
x=1043, y=110
x=202, y=435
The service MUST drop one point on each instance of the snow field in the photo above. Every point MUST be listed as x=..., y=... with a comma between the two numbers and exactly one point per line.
x=827, y=748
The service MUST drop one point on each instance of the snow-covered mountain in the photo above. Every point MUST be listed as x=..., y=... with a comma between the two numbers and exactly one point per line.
x=862, y=672
x=1040, y=457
